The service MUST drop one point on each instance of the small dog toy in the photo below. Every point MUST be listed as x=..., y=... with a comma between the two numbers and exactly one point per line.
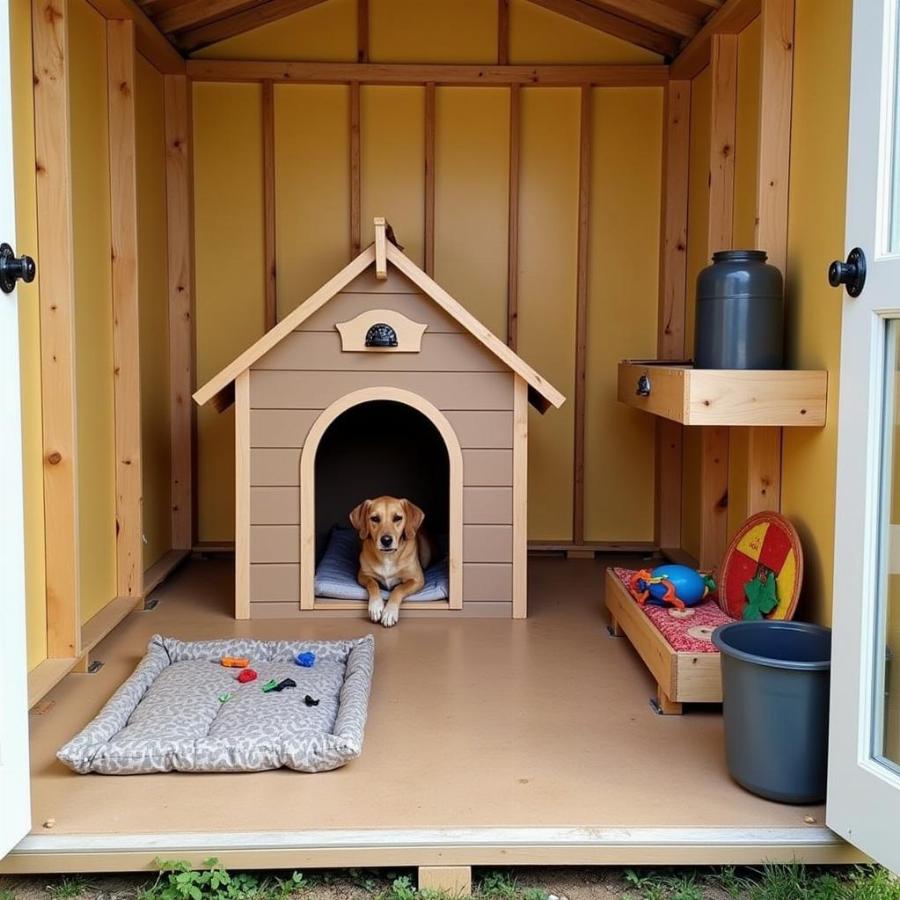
x=270, y=685
x=287, y=683
x=309, y=701
x=246, y=675
x=235, y=662
x=675, y=585
x=307, y=659
x=224, y=698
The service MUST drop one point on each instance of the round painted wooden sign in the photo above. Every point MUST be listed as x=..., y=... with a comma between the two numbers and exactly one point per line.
x=762, y=570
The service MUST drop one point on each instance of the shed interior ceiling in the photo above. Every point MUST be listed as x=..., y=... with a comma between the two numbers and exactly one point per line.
x=664, y=26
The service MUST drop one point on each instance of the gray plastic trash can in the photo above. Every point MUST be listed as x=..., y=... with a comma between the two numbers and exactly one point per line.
x=775, y=681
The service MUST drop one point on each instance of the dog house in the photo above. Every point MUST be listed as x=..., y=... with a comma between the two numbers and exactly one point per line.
x=380, y=383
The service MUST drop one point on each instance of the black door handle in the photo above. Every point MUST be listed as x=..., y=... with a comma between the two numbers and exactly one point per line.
x=13, y=269
x=851, y=273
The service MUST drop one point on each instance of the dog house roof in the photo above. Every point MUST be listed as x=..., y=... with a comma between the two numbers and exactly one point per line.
x=220, y=388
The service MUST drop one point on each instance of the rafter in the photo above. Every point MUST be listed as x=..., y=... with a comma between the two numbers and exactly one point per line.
x=415, y=73
x=615, y=25
x=656, y=15
x=270, y=11
x=197, y=12
x=731, y=18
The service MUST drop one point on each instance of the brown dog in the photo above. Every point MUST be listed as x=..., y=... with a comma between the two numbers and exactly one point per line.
x=394, y=553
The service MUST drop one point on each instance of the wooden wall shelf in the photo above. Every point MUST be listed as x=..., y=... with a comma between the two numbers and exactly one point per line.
x=781, y=398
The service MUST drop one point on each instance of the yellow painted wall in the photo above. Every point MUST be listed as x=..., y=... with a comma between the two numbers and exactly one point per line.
x=537, y=35
x=815, y=237
x=697, y=258
x=326, y=32
x=228, y=218
x=450, y=31
x=471, y=217
x=156, y=456
x=625, y=206
x=472, y=199
x=93, y=308
x=392, y=151
x=548, y=228
x=312, y=199
x=29, y=330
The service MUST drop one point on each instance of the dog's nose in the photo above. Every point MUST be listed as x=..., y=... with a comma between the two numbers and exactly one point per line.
x=386, y=540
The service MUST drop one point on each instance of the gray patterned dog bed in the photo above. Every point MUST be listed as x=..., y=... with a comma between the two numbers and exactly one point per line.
x=169, y=715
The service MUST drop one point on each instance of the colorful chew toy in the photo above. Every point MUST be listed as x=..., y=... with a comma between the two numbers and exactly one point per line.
x=235, y=662
x=675, y=585
x=278, y=687
x=269, y=686
x=224, y=698
x=246, y=675
x=307, y=659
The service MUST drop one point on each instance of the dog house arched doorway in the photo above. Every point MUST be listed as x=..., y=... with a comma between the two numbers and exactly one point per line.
x=364, y=418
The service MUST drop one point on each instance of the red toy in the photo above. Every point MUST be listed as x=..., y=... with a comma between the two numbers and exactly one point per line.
x=247, y=675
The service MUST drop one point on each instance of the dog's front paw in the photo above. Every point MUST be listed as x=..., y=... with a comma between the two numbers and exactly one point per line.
x=390, y=615
x=376, y=610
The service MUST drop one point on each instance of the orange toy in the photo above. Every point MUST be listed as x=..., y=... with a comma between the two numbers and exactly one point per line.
x=235, y=662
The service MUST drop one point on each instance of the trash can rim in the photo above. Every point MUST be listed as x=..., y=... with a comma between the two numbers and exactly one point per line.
x=719, y=639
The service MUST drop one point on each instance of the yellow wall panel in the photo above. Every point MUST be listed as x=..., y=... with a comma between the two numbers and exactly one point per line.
x=815, y=237
x=746, y=142
x=392, y=128
x=156, y=444
x=228, y=215
x=623, y=286
x=537, y=35
x=312, y=199
x=697, y=258
x=93, y=308
x=29, y=331
x=472, y=199
x=325, y=32
x=548, y=214
x=439, y=31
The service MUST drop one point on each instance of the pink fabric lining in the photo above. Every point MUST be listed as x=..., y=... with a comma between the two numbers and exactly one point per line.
x=688, y=635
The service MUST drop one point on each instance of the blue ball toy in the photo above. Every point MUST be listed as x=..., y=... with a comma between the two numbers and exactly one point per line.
x=307, y=659
x=672, y=585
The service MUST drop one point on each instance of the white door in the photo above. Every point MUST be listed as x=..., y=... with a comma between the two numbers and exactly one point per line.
x=15, y=819
x=864, y=747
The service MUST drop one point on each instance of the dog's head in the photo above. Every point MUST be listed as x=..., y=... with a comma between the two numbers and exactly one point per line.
x=387, y=522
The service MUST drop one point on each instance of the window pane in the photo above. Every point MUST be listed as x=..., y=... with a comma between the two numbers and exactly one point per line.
x=887, y=675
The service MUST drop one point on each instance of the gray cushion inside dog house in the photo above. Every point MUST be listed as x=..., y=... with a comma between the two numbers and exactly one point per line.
x=168, y=716
x=336, y=572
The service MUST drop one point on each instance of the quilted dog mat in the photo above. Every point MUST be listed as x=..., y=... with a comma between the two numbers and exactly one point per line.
x=183, y=710
x=336, y=573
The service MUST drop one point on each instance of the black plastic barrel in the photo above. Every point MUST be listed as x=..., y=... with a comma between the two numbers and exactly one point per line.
x=740, y=313
x=775, y=684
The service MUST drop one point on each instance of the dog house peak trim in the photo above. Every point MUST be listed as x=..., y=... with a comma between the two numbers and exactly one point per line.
x=220, y=390
x=308, y=471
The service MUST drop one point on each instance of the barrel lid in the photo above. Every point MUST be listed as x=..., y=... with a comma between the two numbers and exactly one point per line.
x=740, y=256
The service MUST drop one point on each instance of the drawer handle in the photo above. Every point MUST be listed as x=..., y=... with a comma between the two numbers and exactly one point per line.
x=643, y=386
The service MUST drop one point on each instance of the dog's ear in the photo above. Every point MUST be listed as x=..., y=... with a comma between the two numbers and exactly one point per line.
x=359, y=519
x=414, y=519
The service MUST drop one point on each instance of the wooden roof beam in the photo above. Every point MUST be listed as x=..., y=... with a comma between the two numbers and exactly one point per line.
x=415, y=73
x=654, y=14
x=619, y=27
x=232, y=25
x=192, y=13
x=150, y=41
x=731, y=18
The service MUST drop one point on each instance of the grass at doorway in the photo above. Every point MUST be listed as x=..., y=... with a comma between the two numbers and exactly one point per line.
x=176, y=881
